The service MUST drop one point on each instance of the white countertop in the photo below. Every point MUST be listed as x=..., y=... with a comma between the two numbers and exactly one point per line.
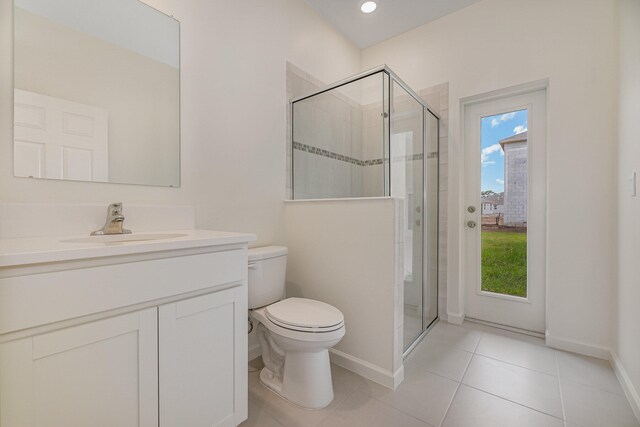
x=34, y=250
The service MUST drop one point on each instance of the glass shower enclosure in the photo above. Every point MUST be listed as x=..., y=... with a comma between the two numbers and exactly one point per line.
x=372, y=136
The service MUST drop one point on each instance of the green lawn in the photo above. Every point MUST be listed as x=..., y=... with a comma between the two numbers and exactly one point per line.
x=504, y=262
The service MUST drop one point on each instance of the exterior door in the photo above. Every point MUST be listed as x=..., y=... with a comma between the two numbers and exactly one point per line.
x=505, y=204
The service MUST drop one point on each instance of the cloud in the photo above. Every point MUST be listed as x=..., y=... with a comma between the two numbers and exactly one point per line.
x=500, y=181
x=520, y=128
x=503, y=118
x=484, y=155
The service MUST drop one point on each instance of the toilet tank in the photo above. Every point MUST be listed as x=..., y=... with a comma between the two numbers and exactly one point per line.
x=267, y=267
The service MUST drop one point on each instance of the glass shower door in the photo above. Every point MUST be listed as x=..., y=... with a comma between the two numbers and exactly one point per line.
x=407, y=183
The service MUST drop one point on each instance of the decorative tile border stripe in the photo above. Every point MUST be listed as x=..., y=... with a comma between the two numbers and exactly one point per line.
x=325, y=153
x=372, y=162
x=341, y=157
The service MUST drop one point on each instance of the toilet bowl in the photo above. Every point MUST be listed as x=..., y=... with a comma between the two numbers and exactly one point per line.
x=295, y=333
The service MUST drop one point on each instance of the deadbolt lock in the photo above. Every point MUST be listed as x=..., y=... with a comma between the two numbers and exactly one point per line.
x=471, y=209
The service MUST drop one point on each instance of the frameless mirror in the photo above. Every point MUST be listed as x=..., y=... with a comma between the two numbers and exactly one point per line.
x=97, y=92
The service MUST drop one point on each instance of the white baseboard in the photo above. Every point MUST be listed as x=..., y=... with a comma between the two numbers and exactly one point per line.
x=455, y=318
x=586, y=349
x=363, y=368
x=255, y=351
x=368, y=370
x=629, y=389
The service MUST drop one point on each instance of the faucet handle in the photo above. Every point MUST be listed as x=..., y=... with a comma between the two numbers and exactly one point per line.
x=114, y=209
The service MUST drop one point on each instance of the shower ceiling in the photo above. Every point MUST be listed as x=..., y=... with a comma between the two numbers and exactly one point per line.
x=392, y=17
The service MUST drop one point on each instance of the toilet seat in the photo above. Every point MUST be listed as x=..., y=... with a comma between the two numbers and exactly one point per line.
x=305, y=315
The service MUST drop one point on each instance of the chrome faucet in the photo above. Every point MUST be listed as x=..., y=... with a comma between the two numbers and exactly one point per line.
x=114, y=223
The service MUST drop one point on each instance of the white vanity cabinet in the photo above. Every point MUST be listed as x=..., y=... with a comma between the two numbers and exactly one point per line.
x=103, y=373
x=200, y=381
x=142, y=339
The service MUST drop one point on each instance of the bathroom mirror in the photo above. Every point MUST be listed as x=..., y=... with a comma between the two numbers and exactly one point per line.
x=96, y=92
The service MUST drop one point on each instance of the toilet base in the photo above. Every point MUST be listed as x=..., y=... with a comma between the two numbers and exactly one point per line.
x=306, y=380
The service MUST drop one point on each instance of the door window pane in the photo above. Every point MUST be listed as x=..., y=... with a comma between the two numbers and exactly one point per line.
x=504, y=203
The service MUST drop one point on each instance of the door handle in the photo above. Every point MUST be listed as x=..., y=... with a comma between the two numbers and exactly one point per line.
x=471, y=224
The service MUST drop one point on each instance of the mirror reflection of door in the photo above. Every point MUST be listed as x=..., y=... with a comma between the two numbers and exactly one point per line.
x=88, y=58
x=505, y=204
x=59, y=139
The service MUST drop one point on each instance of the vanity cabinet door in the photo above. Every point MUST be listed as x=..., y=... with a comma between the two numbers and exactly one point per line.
x=203, y=360
x=102, y=373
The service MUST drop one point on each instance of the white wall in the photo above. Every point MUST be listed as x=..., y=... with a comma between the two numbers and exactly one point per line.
x=495, y=44
x=348, y=253
x=627, y=316
x=233, y=112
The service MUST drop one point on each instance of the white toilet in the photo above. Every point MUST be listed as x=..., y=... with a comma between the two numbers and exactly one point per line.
x=295, y=333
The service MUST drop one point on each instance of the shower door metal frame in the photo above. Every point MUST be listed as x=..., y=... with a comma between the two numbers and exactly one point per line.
x=431, y=324
x=365, y=74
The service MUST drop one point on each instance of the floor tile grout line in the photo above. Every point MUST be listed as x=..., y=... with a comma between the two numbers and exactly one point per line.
x=443, y=344
x=556, y=363
x=344, y=399
x=595, y=388
x=450, y=404
x=482, y=333
x=589, y=385
x=510, y=335
x=457, y=389
x=564, y=412
x=509, y=400
x=518, y=366
x=512, y=401
x=437, y=341
x=398, y=409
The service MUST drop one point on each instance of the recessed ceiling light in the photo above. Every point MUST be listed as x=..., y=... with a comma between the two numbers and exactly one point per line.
x=368, y=6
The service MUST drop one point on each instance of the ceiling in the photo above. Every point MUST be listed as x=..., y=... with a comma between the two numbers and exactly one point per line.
x=392, y=17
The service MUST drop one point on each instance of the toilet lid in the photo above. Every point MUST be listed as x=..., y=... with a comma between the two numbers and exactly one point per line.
x=304, y=314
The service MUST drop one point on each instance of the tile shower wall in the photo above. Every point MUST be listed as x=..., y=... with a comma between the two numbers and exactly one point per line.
x=337, y=143
x=372, y=150
x=326, y=142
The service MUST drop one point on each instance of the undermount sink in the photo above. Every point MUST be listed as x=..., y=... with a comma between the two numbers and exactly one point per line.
x=117, y=238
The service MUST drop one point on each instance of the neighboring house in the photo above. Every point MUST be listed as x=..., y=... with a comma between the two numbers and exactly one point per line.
x=515, y=180
x=492, y=205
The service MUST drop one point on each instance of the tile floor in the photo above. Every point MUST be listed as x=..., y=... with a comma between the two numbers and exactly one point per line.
x=468, y=375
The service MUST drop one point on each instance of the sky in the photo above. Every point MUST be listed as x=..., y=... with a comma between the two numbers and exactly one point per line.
x=495, y=128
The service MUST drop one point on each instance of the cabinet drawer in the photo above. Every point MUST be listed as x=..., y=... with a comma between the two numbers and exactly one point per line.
x=40, y=299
